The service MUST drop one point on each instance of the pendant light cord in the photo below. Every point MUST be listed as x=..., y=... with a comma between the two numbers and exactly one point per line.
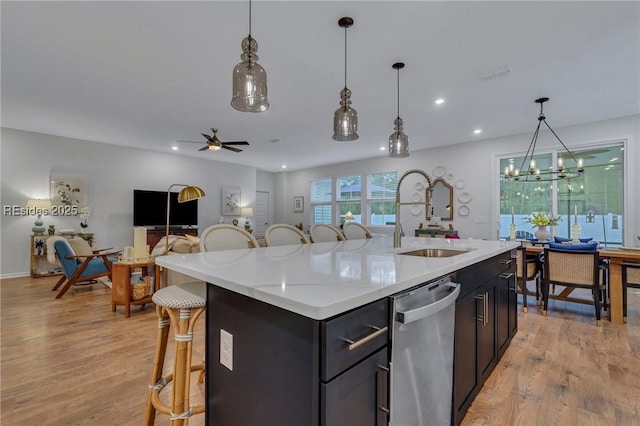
x=345, y=57
x=398, y=70
x=249, y=19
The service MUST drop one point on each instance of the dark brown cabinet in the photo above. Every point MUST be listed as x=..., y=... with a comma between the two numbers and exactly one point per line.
x=485, y=323
x=292, y=370
x=359, y=396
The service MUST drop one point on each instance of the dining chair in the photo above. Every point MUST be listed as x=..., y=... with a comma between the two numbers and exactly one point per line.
x=281, y=234
x=81, y=268
x=574, y=269
x=527, y=269
x=355, y=231
x=630, y=278
x=226, y=237
x=324, y=233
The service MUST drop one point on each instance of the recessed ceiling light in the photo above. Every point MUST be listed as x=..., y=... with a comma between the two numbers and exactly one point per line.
x=439, y=101
x=477, y=131
x=383, y=148
x=284, y=166
x=175, y=148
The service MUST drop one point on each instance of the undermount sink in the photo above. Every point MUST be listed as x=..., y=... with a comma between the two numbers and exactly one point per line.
x=433, y=252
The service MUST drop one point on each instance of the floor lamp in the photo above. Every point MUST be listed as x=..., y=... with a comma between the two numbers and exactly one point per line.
x=188, y=193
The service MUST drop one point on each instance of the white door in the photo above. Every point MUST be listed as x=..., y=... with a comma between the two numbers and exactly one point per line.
x=261, y=217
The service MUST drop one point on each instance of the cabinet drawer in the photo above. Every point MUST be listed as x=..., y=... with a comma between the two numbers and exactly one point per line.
x=474, y=276
x=351, y=337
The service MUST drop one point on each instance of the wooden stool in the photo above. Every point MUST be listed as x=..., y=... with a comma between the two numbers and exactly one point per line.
x=179, y=305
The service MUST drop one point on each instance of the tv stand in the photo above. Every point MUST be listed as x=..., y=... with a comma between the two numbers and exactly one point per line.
x=155, y=235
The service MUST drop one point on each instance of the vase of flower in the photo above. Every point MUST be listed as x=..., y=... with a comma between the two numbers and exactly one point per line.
x=542, y=233
x=542, y=221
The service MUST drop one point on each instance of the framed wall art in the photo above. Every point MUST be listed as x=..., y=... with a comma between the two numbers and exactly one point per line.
x=69, y=191
x=298, y=204
x=231, y=201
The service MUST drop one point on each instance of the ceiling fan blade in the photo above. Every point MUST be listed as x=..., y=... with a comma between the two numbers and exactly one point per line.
x=209, y=138
x=236, y=143
x=204, y=148
x=230, y=148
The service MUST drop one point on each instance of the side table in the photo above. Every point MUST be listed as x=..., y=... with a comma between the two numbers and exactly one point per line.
x=121, y=284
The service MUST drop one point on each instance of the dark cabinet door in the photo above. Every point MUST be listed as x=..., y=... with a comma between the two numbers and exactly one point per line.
x=506, y=310
x=487, y=348
x=465, y=377
x=359, y=396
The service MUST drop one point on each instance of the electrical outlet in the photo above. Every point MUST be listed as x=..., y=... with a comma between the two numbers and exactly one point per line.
x=226, y=349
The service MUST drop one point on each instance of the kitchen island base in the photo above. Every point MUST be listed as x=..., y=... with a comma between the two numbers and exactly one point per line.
x=292, y=370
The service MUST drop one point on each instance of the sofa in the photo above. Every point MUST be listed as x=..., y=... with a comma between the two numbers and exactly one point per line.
x=177, y=245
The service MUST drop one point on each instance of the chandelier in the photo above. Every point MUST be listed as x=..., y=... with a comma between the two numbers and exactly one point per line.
x=533, y=173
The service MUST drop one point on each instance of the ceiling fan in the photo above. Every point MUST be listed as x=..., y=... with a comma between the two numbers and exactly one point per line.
x=214, y=144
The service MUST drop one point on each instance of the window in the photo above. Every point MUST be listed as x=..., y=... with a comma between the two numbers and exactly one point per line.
x=321, y=198
x=594, y=200
x=348, y=198
x=381, y=197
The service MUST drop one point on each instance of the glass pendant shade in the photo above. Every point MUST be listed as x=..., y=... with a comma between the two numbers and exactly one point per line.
x=398, y=141
x=249, y=80
x=345, y=119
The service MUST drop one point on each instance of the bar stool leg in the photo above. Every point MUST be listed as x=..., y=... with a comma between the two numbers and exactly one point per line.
x=158, y=361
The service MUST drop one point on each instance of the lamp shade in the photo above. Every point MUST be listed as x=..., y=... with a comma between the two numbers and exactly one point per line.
x=190, y=193
x=246, y=212
x=39, y=204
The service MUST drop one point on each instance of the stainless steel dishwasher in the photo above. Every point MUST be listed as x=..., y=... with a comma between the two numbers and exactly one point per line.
x=422, y=354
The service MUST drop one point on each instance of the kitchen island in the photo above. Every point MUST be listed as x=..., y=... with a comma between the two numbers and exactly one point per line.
x=290, y=308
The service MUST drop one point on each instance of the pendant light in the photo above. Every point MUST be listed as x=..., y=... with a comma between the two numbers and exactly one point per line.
x=249, y=78
x=345, y=119
x=398, y=141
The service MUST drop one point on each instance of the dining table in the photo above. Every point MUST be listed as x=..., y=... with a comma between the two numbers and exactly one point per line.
x=617, y=256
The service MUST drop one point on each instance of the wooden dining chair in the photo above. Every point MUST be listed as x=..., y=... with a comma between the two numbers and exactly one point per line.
x=630, y=278
x=574, y=269
x=527, y=269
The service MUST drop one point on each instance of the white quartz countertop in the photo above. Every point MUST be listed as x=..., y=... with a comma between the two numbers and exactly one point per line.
x=321, y=280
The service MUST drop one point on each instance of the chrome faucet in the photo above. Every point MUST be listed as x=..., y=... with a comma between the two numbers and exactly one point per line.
x=398, y=233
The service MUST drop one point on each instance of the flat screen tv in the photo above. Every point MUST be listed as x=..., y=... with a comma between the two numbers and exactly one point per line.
x=150, y=209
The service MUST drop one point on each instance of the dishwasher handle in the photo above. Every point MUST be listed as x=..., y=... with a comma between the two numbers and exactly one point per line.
x=430, y=309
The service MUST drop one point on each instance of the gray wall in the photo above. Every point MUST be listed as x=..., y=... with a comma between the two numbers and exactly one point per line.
x=476, y=163
x=28, y=159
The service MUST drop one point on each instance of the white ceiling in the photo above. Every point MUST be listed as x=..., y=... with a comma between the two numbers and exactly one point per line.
x=146, y=74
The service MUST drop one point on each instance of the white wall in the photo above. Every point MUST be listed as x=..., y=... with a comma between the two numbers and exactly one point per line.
x=474, y=163
x=113, y=172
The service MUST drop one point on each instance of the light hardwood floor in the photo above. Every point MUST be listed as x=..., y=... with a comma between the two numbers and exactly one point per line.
x=73, y=362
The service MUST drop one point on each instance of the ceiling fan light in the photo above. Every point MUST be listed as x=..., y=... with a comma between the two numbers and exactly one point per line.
x=214, y=147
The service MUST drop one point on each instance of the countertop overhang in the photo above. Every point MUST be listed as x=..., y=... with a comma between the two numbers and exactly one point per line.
x=321, y=280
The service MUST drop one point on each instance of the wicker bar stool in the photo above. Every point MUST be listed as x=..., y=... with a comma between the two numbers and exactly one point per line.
x=178, y=305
